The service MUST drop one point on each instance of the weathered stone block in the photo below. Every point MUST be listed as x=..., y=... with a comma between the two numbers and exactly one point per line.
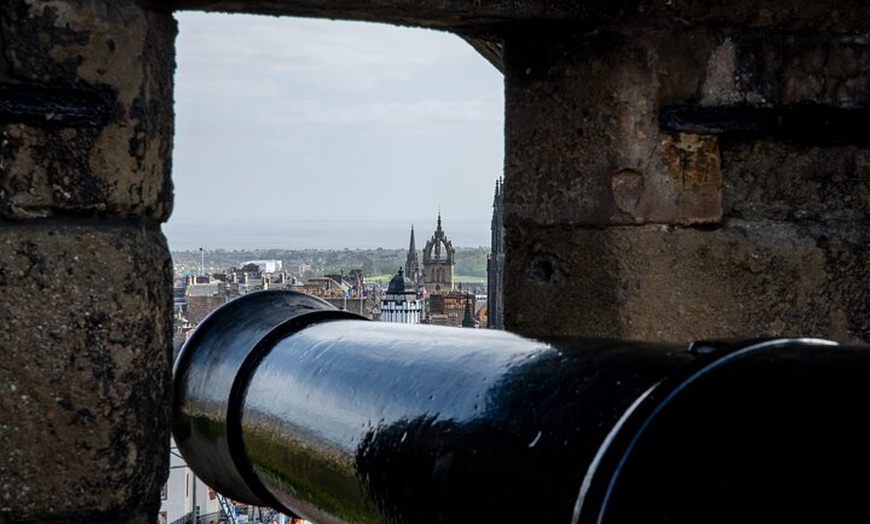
x=781, y=69
x=583, y=140
x=114, y=56
x=677, y=284
x=85, y=371
x=769, y=180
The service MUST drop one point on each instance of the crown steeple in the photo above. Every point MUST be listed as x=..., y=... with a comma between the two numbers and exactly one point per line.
x=438, y=261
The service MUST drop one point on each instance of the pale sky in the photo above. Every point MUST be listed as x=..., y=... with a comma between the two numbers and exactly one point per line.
x=301, y=120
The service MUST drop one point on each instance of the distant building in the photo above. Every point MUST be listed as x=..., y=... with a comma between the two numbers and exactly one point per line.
x=203, y=298
x=184, y=492
x=297, y=267
x=449, y=309
x=181, y=330
x=468, y=320
x=400, y=304
x=266, y=266
x=439, y=260
x=495, y=263
x=327, y=286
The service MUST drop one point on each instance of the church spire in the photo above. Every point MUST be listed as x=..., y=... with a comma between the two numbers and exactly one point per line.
x=412, y=264
x=412, y=247
x=468, y=319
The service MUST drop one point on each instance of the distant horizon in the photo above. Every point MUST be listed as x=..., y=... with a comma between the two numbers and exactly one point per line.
x=286, y=118
x=254, y=234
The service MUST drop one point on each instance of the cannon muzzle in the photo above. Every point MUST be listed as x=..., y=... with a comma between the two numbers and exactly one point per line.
x=283, y=401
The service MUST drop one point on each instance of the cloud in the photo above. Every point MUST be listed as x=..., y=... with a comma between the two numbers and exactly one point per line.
x=284, y=118
x=322, y=54
x=266, y=69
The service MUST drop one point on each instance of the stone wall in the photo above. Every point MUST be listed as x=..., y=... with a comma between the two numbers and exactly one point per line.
x=85, y=273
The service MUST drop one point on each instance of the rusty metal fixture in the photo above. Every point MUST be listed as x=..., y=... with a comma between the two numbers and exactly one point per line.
x=48, y=105
x=283, y=401
x=801, y=122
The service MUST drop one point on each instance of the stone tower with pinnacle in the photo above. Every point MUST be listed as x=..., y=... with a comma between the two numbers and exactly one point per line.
x=438, y=262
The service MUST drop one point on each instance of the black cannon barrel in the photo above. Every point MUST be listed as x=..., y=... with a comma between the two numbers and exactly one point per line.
x=281, y=400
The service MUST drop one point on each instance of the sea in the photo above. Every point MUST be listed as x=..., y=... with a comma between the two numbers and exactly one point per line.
x=191, y=235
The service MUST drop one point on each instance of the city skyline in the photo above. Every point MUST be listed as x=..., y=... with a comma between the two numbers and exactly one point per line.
x=293, y=235
x=285, y=123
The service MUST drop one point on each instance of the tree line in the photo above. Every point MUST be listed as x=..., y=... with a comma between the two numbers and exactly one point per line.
x=306, y=263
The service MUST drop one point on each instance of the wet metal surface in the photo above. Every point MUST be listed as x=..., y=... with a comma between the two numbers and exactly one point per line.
x=390, y=423
x=342, y=420
x=772, y=431
x=208, y=379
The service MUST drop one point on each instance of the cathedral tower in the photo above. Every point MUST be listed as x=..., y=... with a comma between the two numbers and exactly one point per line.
x=438, y=262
